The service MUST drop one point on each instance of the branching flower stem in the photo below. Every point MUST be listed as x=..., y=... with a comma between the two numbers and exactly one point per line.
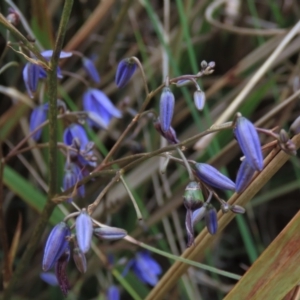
x=50, y=205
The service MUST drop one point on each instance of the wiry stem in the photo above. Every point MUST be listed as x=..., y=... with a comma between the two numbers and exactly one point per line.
x=50, y=205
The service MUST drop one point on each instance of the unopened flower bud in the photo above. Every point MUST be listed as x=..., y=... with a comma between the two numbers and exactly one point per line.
x=31, y=74
x=213, y=177
x=166, y=108
x=198, y=215
x=237, y=209
x=84, y=231
x=248, y=140
x=286, y=144
x=13, y=17
x=211, y=220
x=183, y=82
x=80, y=260
x=225, y=207
x=56, y=245
x=125, y=70
x=203, y=64
x=193, y=198
x=110, y=233
x=244, y=176
x=199, y=99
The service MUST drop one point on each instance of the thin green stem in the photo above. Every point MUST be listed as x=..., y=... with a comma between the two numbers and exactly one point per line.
x=50, y=205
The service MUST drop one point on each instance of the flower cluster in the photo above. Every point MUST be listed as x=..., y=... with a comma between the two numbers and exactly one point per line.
x=58, y=248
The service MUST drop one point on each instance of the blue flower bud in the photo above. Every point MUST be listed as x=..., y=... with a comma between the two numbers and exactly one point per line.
x=113, y=293
x=72, y=175
x=31, y=74
x=99, y=107
x=60, y=272
x=169, y=135
x=84, y=231
x=37, y=118
x=91, y=69
x=248, y=140
x=110, y=233
x=80, y=260
x=56, y=245
x=211, y=220
x=166, y=109
x=125, y=70
x=237, y=209
x=199, y=99
x=47, y=54
x=244, y=176
x=213, y=177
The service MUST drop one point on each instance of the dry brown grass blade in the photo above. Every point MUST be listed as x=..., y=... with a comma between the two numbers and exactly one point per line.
x=90, y=25
x=277, y=269
x=273, y=163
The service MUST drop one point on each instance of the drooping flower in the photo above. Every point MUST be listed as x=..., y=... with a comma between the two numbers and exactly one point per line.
x=199, y=99
x=211, y=220
x=125, y=70
x=76, y=136
x=110, y=233
x=99, y=108
x=56, y=245
x=32, y=72
x=146, y=268
x=60, y=272
x=166, y=108
x=244, y=176
x=213, y=177
x=90, y=69
x=169, y=135
x=113, y=293
x=72, y=175
x=84, y=231
x=37, y=117
x=248, y=140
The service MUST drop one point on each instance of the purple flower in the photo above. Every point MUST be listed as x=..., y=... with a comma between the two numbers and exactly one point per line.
x=32, y=72
x=248, y=140
x=199, y=99
x=75, y=135
x=99, y=107
x=166, y=109
x=37, y=117
x=169, y=135
x=56, y=245
x=84, y=231
x=244, y=176
x=91, y=69
x=211, y=220
x=213, y=177
x=60, y=272
x=198, y=214
x=110, y=233
x=146, y=268
x=72, y=175
x=113, y=293
x=125, y=70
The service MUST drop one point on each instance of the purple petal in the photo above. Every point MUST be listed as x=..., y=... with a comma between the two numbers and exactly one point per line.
x=166, y=109
x=47, y=54
x=213, y=177
x=248, y=140
x=37, y=117
x=113, y=293
x=110, y=233
x=244, y=176
x=49, y=278
x=91, y=69
x=211, y=220
x=199, y=99
x=75, y=131
x=31, y=77
x=84, y=231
